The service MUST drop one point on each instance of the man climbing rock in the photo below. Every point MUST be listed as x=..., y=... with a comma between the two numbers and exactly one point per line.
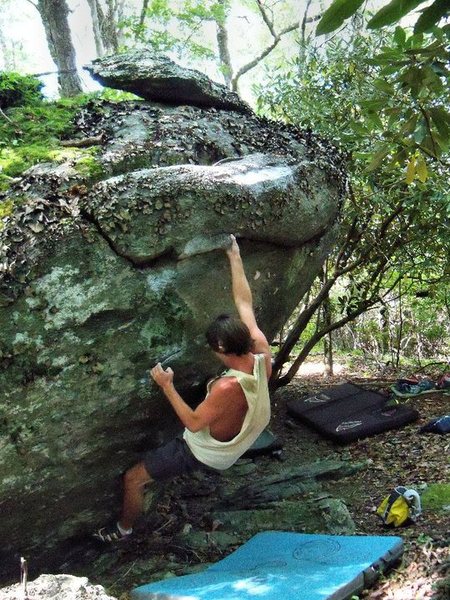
x=225, y=424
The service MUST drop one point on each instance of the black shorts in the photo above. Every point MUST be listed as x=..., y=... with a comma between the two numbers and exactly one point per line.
x=172, y=459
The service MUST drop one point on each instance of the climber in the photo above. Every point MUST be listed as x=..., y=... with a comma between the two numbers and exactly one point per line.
x=226, y=423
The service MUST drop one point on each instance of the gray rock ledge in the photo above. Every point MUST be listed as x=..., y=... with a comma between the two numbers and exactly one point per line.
x=155, y=77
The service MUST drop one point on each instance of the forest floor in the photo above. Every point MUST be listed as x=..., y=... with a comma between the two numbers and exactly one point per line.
x=398, y=457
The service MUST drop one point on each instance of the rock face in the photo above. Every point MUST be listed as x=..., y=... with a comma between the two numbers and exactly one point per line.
x=56, y=587
x=155, y=77
x=111, y=264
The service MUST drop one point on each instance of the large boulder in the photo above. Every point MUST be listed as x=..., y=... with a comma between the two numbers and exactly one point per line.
x=111, y=264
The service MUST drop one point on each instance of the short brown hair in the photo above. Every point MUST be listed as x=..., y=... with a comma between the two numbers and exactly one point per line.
x=229, y=335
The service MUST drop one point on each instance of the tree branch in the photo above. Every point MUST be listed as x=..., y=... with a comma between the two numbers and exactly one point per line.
x=143, y=12
x=266, y=19
x=299, y=326
x=252, y=64
x=351, y=316
x=304, y=21
x=84, y=142
x=224, y=53
x=370, y=289
x=6, y=117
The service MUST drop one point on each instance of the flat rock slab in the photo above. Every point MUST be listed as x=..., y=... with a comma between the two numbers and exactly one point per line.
x=288, y=482
x=155, y=77
x=313, y=515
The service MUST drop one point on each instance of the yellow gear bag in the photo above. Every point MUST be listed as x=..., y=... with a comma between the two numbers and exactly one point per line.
x=400, y=508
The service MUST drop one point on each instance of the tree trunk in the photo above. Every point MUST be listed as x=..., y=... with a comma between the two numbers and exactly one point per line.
x=400, y=326
x=328, y=354
x=328, y=339
x=108, y=25
x=327, y=321
x=224, y=53
x=302, y=45
x=143, y=13
x=385, y=330
x=54, y=15
x=94, y=8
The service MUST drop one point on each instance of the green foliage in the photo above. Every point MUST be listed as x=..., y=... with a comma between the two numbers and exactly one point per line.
x=436, y=496
x=18, y=90
x=418, y=326
x=6, y=209
x=391, y=13
x=113, y=95
x=336, y=14
x=414, y=102
x=393, y=92
x=431, y=15
x=177, y=26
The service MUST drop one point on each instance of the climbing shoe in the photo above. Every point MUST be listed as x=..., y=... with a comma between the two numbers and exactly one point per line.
x=110, y=534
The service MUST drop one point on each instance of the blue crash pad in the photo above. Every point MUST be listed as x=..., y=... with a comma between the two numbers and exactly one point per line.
x=275, y=564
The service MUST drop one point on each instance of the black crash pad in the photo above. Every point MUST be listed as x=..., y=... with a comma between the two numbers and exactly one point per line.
x=347, y=412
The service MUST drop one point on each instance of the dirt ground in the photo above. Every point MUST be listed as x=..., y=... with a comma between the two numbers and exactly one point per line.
x=400, y=457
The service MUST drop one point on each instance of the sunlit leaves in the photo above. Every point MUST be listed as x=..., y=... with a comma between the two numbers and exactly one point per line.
x=336, y=14
x=410, y=170
x=159, y=9
x=178, y=26
x=413, y=78
x=391, y=136
x=431, y=15
x=416, y=169
x=421, y=169
x=391, y=13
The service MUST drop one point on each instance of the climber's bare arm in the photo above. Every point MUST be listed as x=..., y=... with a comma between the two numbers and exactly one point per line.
x=243, y=300
x=212, y=409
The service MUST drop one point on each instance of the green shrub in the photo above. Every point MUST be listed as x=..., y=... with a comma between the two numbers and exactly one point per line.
x=18, y=90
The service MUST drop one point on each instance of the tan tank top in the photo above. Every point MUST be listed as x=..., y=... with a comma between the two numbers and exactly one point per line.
x=221, y=455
